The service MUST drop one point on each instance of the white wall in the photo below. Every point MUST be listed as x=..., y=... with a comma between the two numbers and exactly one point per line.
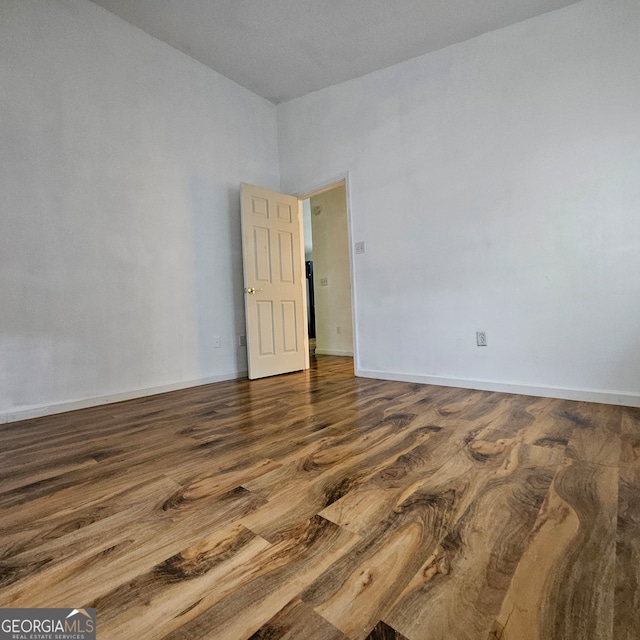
x=307, y=232
x=334, y=334
x=496, y=185
x=120, y=164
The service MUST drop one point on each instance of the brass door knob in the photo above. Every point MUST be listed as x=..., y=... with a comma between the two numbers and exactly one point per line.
x=252, y=290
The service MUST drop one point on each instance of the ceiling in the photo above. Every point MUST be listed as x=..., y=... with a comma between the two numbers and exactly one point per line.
x=283, y=49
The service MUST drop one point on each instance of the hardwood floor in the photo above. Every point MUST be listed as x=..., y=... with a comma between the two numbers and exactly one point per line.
x=320, y=506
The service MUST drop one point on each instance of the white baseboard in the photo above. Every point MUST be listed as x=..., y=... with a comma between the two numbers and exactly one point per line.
x=333, y=352
x=61, y=407
x=604, y=397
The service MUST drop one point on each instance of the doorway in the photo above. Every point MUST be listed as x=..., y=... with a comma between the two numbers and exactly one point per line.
x=327, y=258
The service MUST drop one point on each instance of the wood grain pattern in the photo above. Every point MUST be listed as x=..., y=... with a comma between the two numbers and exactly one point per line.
x=297, y=620
x=383, y=631
x=563, y=586
x=596, y=437
x=275, y=577
x=321, y=506
x=354, y=592
x=456, y=594
x=627, y=587
x=630, y=436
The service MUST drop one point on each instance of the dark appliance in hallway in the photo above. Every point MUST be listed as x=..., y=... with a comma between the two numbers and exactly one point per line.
x=310, y=299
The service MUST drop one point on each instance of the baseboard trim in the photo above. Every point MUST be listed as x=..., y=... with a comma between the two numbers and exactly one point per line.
x=62, y=407
x=333, y=352
x=603, y=397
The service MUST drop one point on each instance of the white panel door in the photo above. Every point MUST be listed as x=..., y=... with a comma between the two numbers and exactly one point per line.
x=274, y=282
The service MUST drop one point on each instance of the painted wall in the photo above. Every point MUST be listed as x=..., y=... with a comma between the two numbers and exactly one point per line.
x=334, y=333
x=495, y=184
x=120, y=165
x=307, y=230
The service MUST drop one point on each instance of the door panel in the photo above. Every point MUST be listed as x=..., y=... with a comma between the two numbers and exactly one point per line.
x=262, y=251
x=289, y=326
x=284, y=212
x=287, y=259
x=275, y=286
x=265, y=328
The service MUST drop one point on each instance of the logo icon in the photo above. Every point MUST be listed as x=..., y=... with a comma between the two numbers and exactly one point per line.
x=82, y=611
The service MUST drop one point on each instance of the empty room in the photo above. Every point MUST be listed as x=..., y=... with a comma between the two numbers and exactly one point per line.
x=320, y=320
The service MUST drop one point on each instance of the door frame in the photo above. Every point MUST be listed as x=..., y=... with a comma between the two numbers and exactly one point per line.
x=313, y=190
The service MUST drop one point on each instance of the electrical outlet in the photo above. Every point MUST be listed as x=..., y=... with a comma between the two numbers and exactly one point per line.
x=242, y=341
x=481, y=338
x=216, y=342
x=324, y=282
x=360, y=247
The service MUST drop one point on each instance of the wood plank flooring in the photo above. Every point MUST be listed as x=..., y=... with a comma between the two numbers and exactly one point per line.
x=320, y=506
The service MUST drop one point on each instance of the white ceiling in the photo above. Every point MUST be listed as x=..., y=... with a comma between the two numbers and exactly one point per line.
x=282, y=49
